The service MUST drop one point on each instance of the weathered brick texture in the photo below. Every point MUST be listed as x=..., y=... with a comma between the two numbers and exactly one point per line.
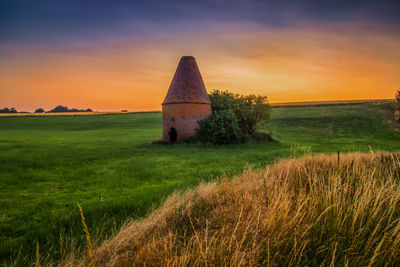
x=186, y=101
x=184, y=118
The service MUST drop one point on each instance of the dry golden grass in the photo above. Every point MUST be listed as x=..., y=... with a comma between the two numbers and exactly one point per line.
x=37, y=255
x=308, y=211
x=88, y=238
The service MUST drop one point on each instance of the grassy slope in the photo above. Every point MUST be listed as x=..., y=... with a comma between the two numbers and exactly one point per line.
x=48, y=164
x=313, y=211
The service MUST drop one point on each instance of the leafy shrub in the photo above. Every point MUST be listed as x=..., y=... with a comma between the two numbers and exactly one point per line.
x=219, y=128
x=251, y=111
x=235, y=118
x=222, y=100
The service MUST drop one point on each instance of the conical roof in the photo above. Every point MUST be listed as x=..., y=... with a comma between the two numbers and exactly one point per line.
x=187, y=86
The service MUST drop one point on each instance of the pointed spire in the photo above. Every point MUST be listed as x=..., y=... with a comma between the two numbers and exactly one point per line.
x=187, y=86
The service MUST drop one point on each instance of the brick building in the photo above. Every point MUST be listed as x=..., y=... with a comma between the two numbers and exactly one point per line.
x=186, y=102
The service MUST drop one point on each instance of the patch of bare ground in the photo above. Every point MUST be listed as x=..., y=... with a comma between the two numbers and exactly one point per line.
x=316, y=210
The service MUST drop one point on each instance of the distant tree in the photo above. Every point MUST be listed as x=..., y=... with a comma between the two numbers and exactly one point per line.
x=39, y=110
x=8, y=110
x=59, y=108
x=251, y=111
x=88, y=110
x=397, y=95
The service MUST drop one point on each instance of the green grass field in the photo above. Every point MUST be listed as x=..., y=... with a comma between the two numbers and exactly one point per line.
x=108, y=164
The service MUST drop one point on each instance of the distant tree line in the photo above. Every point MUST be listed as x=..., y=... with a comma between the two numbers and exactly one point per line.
x=8, y=110
x=59, y=108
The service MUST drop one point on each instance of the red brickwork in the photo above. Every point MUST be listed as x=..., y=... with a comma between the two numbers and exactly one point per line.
x=187, y=86
x=186, y=101
x=184, y=118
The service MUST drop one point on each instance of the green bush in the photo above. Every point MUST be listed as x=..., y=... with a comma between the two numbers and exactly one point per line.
x=222, y=100
x=219, y=128
x=235, y=118
x=251, y=111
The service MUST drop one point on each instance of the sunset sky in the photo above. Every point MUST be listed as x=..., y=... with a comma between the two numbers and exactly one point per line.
x=113, y=55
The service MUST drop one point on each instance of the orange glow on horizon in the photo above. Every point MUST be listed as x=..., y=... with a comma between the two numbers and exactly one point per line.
x=287, y=65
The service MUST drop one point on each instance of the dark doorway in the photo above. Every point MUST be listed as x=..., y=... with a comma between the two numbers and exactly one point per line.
x=173, y=135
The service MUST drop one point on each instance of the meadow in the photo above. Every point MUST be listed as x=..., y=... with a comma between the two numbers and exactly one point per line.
x=108, y=164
